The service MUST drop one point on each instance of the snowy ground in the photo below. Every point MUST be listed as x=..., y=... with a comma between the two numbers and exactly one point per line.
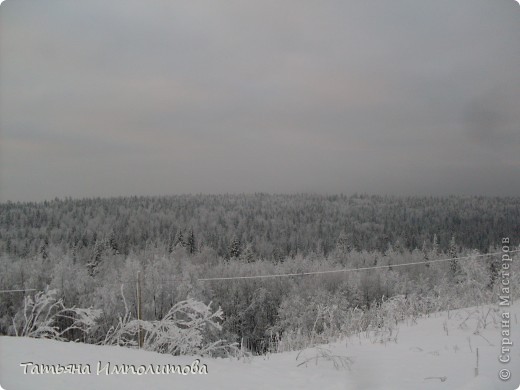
x=434, y=353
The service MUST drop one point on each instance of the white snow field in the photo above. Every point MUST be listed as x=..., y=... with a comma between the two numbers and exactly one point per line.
x=434, y=353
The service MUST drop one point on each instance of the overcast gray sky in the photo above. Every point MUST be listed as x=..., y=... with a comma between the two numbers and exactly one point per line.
x=106, y=98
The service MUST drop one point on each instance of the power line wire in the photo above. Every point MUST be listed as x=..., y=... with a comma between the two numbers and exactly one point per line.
x=350, y=269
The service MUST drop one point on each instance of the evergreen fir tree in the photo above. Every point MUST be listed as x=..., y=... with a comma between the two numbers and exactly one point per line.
x=424, y=251
x=171, y=243
x=190, y=242
x=179, y=241
x=44, y=249
x=452, y=252
x=398, y=248
x=344, y=244
x=278, y=255
x=248, y=255
x=96, y=258
x=435, y=246
x=234, y=249
x=111, y=243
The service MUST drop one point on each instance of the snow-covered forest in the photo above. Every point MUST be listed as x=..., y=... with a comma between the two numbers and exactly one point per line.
x=272, y=226
x=83, y=258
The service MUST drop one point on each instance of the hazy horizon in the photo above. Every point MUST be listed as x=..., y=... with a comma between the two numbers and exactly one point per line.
x=127, y=98
x=268, y=194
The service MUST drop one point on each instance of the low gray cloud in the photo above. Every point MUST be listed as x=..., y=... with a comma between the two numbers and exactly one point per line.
x=105, y=98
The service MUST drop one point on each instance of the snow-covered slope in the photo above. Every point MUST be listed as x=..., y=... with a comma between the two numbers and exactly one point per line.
x=434, y=353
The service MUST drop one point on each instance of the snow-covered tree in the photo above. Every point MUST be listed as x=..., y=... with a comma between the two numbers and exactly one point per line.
x=435, y=246
x=190, y=242
x=452, y=253
x=92, y=266
x=248, y=255
x=234, y=248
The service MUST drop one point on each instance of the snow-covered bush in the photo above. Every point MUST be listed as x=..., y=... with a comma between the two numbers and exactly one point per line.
x=189, y=328
x=45, y=316
x=306, y=321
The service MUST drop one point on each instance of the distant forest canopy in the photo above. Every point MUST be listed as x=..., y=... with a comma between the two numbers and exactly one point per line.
x=267, y=226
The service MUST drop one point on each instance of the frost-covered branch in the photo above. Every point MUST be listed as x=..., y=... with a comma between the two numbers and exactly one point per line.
x=183, y=330
x=41, y=315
